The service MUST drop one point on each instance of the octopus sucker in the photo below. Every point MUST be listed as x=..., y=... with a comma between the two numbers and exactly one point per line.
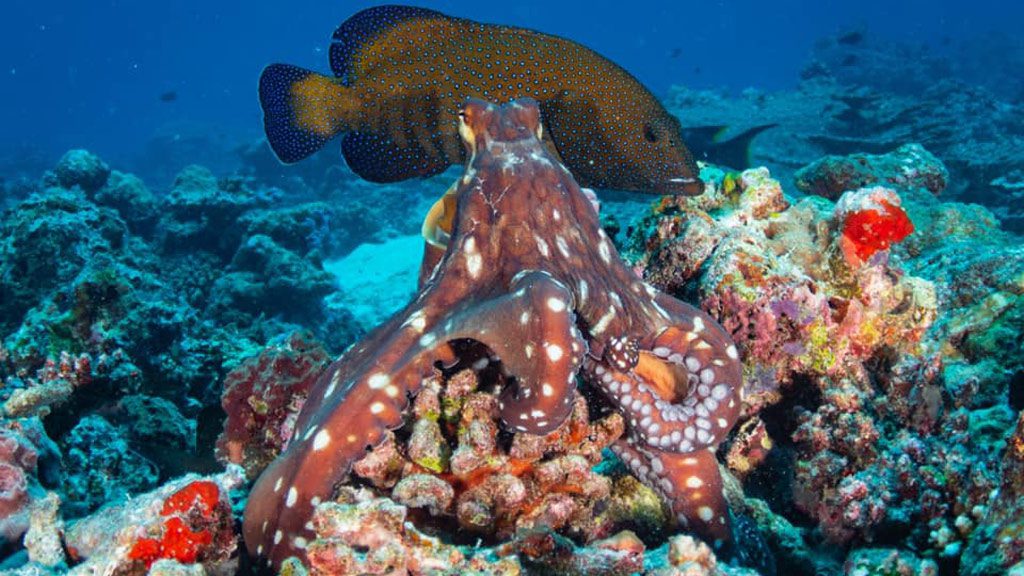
x=501, y=290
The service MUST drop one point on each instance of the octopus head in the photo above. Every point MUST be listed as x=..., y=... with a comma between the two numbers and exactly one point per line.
x=482, y=123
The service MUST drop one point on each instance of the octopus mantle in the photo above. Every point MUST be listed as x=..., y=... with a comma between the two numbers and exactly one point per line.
x=517, y=261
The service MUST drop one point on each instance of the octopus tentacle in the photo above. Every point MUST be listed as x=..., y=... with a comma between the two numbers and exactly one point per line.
x=681, y=396
x=690, y=483
x=544, y=362
x=351, y=420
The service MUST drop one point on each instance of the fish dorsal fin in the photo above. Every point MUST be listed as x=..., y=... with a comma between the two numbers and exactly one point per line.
x=362, y=27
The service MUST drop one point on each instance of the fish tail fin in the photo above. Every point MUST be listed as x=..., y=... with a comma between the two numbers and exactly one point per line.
x=302, y=110
x=737, y=148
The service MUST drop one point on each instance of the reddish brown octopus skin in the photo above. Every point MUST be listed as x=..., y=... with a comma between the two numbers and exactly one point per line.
x=529, y=273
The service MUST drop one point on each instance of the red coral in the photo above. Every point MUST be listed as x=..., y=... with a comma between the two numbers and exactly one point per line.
x=871, y=220
x=203, y=496
x=179, y=543
x=188, y=531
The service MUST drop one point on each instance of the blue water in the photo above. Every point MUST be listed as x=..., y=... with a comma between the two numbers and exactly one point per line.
x=90, y=74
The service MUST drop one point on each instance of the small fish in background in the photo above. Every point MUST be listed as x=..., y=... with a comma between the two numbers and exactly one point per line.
x=169, y=96
x=710, y=144
x=401, y=73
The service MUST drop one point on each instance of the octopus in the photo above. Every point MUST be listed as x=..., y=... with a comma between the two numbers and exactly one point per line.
x=517, y=262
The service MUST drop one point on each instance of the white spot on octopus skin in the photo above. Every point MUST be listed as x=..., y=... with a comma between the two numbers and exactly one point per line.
x=323, y=438
x=705, y=513
x=616, y=298
x=606, y=254
x=542, y=246
x=528, y=349
x=524, y=317
x=698, y=324
x=277, y=485
x=547, y=390
x=293, y=496
x=694, y=482
x=378, y=381
x=554, y=351
x=556, y=304
x=563, y=246
x=277, y=537
x=603, y=321
x=417, y=320
x=376, y=407
x=731, y=352
x=583, y=292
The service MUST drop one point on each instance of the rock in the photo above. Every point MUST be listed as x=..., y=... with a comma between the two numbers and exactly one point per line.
x=83, y=169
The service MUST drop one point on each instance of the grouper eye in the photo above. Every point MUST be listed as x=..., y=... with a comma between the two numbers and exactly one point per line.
x=649, y=133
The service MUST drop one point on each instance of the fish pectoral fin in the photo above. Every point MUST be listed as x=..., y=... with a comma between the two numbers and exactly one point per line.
x=377, y=158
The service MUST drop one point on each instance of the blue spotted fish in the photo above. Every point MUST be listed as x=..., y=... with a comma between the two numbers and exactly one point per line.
x=401, y=74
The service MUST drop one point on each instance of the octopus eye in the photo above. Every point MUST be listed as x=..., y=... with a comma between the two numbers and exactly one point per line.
x=649, y=134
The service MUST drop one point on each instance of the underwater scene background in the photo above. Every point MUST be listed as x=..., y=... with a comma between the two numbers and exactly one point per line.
x=808, y=361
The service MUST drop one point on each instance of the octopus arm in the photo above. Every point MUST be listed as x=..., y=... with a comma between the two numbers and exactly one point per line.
x=532, y=330
x=691, y=485
x=349, y=416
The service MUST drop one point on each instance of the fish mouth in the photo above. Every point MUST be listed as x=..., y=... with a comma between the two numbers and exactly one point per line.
x=680, y=186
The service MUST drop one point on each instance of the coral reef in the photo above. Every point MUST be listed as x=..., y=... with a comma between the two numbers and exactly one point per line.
x=780, y=279
x=875, y=317
x=877, y=398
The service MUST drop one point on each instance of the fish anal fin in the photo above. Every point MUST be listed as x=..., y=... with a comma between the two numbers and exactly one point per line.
x=362, y=27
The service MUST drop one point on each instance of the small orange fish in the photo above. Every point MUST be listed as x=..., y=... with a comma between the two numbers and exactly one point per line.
x=401, y=74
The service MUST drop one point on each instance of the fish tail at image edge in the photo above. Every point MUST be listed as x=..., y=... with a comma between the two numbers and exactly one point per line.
x=302, y=110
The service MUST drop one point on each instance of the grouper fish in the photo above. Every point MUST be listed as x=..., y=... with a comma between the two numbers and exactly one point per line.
x=401, y=73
